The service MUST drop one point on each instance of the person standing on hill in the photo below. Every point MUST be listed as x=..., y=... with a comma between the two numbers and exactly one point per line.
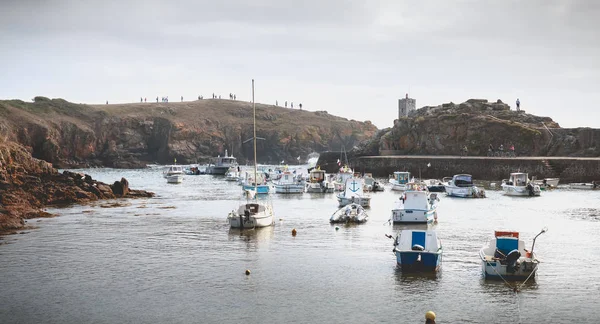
x=181, y=98
x=286, y=104
x=518, y=105
x=300, y=105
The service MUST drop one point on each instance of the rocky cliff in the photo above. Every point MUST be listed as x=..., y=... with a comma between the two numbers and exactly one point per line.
x=28, y=184
x=133, y=135
x=445, y=129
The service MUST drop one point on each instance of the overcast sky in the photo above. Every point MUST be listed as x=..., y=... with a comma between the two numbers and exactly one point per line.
x=351, y=58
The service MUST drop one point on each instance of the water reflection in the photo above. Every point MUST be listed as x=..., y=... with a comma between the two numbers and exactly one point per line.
x=252, y=238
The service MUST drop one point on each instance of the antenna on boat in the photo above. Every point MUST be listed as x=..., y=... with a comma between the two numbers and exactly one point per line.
x=544, y=230
x=254, y=129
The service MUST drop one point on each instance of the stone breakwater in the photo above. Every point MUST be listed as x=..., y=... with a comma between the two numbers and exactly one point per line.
x=27, y=185
x=568, y=169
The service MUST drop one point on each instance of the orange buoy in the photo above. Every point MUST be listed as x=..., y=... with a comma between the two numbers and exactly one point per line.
x=294, y=232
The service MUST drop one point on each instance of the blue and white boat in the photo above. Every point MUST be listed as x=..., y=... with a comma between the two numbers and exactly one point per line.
x=415, y=207
x=506, y=258
x=462, y=186
x=400, y=180
x=288, y=183
x=418, y=250
x=260, y=185
x=353, y=194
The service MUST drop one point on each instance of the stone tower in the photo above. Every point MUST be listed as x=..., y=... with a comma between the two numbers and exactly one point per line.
x=406, y=105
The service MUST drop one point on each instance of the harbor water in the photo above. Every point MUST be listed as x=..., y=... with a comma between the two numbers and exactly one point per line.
x=174, y=259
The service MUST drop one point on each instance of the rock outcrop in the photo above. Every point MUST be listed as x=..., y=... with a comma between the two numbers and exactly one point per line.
x=445, y=129
x=133, y=135
x=27, y=185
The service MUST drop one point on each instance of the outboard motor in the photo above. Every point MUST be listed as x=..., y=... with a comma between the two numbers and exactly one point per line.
x=530, y=189
x=511, y=261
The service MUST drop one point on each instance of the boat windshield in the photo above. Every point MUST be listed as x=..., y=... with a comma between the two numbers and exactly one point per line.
x=519, y=179
x=463, y=180
x=402, y=177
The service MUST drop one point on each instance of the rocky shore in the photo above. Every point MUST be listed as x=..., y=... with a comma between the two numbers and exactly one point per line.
x=27, y=185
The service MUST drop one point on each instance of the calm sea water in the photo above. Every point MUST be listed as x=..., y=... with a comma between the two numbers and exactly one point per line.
x=173, y=259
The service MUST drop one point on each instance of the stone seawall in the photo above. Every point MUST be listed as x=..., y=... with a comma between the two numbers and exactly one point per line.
x=568, y=169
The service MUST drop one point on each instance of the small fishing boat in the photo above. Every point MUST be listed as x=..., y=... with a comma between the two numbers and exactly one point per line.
x=418, y=250
x=519, y=184
x=353, y=194
x=232, y=174
x=415, y=207
x=371, y=184
x=434, y=185
x=506, y=257
x=221, y=164
x=461, y=185
x=259, y=185
x=318, y=182
x=584, y=186
x=344, y=174
x=253, y=212
x=353, y=213
x=400, y=180
x=174, y=174
x=288, y=183
x=547, y=182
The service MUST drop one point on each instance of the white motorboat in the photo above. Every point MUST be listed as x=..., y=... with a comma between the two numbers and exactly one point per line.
x=319, y=182
x=174, y=174
x=584, y=186
x=415, y=207
x=353, y=213
x=353, y=194
x=547, y=182
x=233, y=174
x=418, y=250
x=288, y=183
x=344, y=174
x=518, y=184
x=253, y=212
x=461, y=185
x=371, y=184
x=400, y=180
x=221, y=164
x=506, y=257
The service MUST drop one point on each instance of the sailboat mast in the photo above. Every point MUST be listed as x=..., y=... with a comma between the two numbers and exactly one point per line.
x=254, y=138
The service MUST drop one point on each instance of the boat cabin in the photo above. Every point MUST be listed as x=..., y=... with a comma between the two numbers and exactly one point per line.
x=518, y=179
x=174, y=169
x=417, y=240
x=225, y=160
x=506, y=242
x=416, y=200
x=251, y=209
x=401, y=177
x=317, y=175
x=462, y=180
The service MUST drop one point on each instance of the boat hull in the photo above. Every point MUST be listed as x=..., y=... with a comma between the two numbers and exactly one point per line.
x=254, y=221
x=350, y=214
x=582, y=186
x=463, y=192
x=262, y=189
x=413, y=216
x=217, y=170
x=289, y=189
x=399, y=187
x=494, y=270
x=520, y=191
x=419, y=261
x=319, y=188
x=175, y=178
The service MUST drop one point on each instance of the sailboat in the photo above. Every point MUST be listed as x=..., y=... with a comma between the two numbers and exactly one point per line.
x=253, y=212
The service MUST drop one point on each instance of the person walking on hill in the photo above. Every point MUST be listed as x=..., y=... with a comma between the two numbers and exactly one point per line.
x=300, y=105
x=518, y=105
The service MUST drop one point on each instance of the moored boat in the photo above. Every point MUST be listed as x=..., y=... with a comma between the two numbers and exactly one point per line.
x=253, y=212
x=353, y=194
x=233, y=174
x=344, y=174
x=584, y=186
x=547, y=182
x=415, y=207
x=518, y=184
x=221, y=164
x=288, y=183
x=371, y=184
x=352, y=213
x=174, y=174
x=318, y=182
x=400, y=180
x=461, y=185
x=505, y=257
x=418, y=250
